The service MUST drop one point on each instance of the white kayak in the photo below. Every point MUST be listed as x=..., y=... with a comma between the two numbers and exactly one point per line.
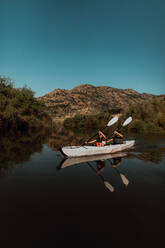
x=78, y=151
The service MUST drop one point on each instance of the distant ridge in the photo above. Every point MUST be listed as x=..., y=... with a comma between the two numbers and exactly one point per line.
x=88, y=99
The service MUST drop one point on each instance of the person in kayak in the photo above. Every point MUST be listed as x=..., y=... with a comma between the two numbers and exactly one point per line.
x=117, y=138
x=100, y=141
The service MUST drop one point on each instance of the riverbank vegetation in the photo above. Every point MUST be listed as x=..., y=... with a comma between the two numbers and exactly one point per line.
x=19, y=109
x=148, y=118
x=88, y=122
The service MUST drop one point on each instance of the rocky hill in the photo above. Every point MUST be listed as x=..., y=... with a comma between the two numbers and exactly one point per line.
x=88, y=99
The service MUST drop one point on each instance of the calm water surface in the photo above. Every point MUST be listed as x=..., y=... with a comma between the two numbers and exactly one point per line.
x=119, y=201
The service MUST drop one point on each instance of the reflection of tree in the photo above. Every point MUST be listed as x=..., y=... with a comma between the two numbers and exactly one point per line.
x=62, y=137
x=17, y=149
x=154, y=156
x=67, y=137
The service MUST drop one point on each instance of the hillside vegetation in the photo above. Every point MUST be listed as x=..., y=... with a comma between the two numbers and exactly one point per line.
x=87, y=107
x=148, y=117
x=19, y=109
x=87, y=99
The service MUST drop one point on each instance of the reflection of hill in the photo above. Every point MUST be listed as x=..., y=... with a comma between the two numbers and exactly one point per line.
x=18, y=149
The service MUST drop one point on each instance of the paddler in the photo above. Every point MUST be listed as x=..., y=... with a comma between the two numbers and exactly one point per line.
x=117, y=138
x=100, y=141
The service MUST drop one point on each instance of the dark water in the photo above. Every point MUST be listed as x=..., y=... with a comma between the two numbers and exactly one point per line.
x=43, y=203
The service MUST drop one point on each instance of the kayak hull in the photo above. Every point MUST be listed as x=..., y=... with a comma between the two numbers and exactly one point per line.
x=78, y=151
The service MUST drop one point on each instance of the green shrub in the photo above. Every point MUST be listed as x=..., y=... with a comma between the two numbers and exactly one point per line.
x=19, y=109
x=148, y=117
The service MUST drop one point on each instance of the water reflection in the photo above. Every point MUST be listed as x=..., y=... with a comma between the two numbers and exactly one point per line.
x=100, y=167
x=145, y=149
x=17, y=149
x=83, y=195
x=116, y=162
x=66, y=162
x=62, y=137
x=149, y=155
x=98, y=164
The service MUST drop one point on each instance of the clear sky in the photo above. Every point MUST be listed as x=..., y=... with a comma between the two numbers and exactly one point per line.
x=50, y=44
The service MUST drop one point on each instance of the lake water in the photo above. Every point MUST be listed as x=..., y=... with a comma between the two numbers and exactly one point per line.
x=45, y=201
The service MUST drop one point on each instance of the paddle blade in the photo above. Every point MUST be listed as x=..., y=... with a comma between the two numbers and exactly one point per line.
x=112, y=121
x=124, y=180
x=127, y=121
x=109, y=186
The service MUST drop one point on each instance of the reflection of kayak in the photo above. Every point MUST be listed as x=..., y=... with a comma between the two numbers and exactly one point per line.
x=71, y=161
x=78, y=151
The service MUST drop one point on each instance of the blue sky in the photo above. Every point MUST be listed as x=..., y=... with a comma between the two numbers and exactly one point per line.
x=50, y=44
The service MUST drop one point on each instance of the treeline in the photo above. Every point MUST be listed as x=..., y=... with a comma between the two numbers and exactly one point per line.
x=148, y=118
x=19, y=109
x=80, y=123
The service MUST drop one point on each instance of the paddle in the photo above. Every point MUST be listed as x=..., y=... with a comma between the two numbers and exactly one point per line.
x=123, y=178
x=127, y=121
x=107, y=184
x=110, y=123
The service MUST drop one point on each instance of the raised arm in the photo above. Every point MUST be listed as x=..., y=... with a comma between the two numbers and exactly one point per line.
x=103, y=135
x=90, y=142
x=119, y=134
